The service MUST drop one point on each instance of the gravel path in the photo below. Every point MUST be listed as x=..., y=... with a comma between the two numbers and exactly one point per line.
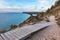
x=52, y=32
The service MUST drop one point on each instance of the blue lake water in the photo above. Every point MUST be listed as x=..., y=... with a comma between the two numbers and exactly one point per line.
x=11, y=18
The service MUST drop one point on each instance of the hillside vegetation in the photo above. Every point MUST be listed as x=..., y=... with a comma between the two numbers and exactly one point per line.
x=54, y=10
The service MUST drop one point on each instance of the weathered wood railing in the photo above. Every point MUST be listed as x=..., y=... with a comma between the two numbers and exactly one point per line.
x=23, y=32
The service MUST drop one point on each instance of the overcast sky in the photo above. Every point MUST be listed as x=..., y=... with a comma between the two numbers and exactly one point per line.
x=25, y=5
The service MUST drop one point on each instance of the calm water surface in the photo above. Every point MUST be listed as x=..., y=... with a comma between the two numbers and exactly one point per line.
x=11, y=18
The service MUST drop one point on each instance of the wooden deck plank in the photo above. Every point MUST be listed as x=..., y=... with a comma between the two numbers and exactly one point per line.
x=1, y=38
x=14, y=33
x=8, y=36
x=11, y=36
x=4, y=37
x=19, y=34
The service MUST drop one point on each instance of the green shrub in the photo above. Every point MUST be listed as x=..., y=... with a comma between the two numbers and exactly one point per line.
x=2, y=31
x=13, y=27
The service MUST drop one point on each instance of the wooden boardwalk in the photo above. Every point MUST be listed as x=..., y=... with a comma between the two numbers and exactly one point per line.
x=23, y=32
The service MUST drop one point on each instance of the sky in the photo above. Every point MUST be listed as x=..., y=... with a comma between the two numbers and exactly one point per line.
x=26, y=5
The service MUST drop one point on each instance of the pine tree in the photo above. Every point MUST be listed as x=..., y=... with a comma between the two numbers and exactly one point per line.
x=57, y=3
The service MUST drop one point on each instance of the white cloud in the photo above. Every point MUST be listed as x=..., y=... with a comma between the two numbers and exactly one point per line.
x=5, y=7
x=3, y=4
x=44, y=4
x=40, y=5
